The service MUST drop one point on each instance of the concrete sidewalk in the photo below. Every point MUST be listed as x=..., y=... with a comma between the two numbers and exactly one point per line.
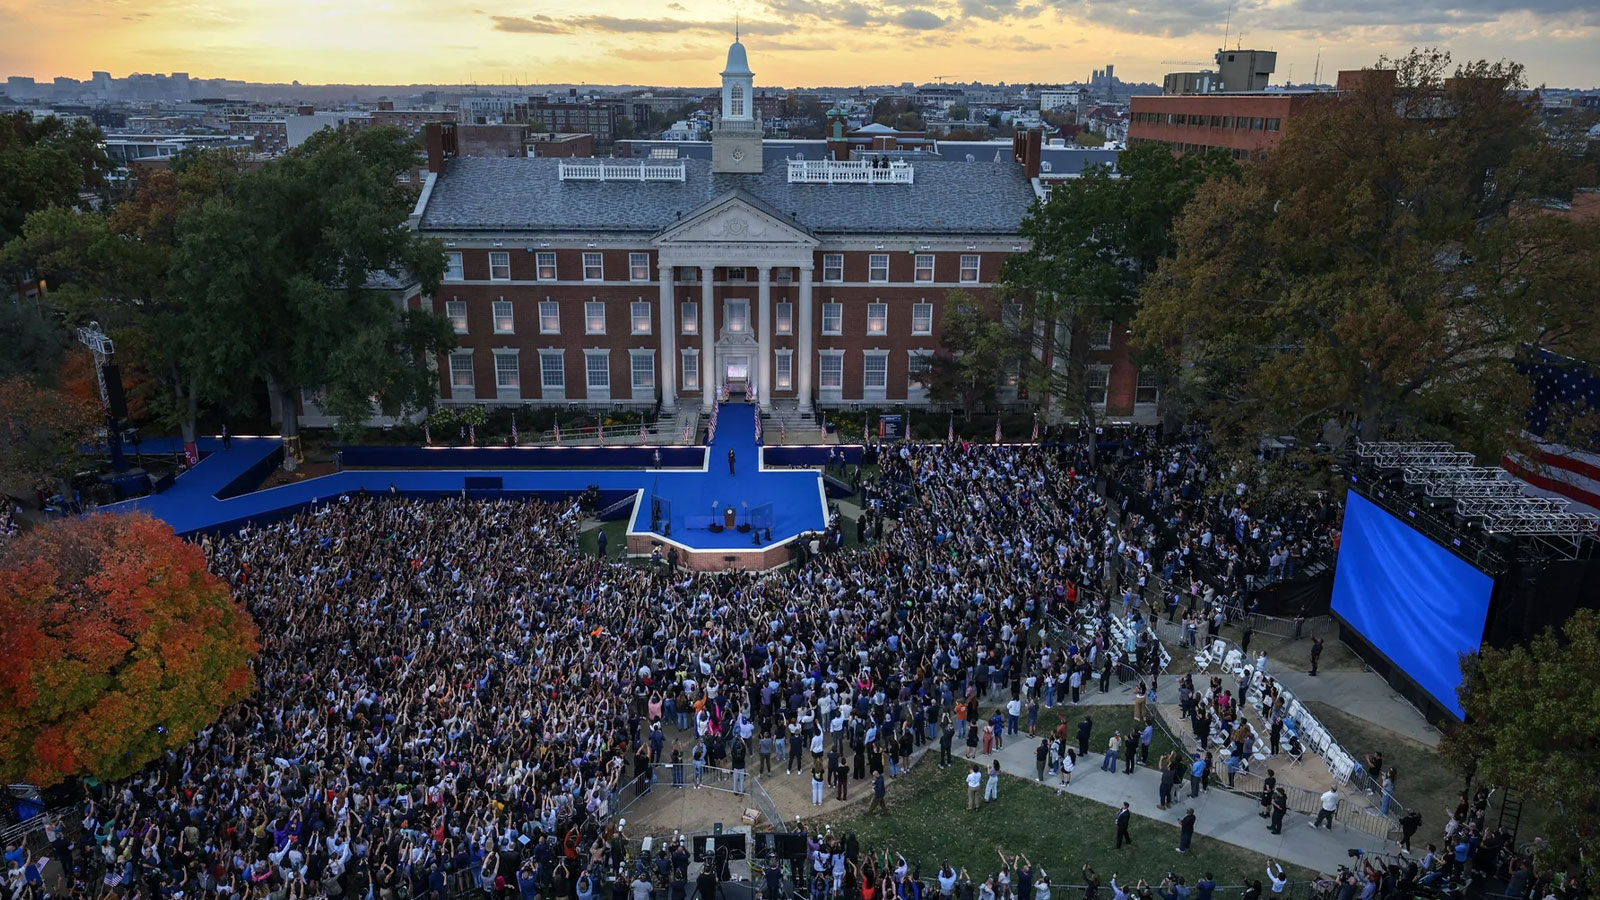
x=1218, y=814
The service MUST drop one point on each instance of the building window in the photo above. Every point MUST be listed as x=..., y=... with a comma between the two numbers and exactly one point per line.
x=783, y=275
x=452, y=267
x=1011, y=316
x=969, y=268
x=504, y=322
x=1100, y=335
x=878, y=268
x=922, y=318
x=644, y=369
x=1274, y=124
x=919, y=365
x=461, y=370
x=545, y=266
x=507, y=376
x=597, y=370
x=638, y=267
x=549, y=317
x=736, y=100
x=877, y=318
x=691, y=370
x=1149, y=388
x=1095, y=383
x=830, y=371
x=456, y=312
x=736, y=316
x=594, y=317
x=640, y=314
x=833, y=318
x=783, y=319
x=832, y=267
x=735, y=273
x=783, y=370
x=499, y=266
x=924, y=268
x=690, y=317
x=593, y=267
x=689, y=274
x=875, y=374
x=552, y=371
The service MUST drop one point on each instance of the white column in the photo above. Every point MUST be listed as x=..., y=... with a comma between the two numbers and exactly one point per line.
x=709, y=382
x=669, y=342
x=803, y=370
x=764, y=335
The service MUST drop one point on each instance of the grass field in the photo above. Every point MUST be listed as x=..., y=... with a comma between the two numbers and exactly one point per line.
x=928, y=823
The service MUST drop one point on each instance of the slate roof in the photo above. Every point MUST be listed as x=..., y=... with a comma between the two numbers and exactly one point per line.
x=524, y=194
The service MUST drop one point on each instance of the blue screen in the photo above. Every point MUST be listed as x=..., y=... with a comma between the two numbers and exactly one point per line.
x=1416, y=602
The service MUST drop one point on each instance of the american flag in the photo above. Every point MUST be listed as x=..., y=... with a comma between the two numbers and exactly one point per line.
x=514, y=438
x=1563, y=388
x=758, y=426
x=1035, y=428
x=427, y=436
x=643, y=434
x=113, y=878
x=600, y=431
x=866, y=428
x=472, y=435
x=557, y=431
x=950, y=433
x=997, y=430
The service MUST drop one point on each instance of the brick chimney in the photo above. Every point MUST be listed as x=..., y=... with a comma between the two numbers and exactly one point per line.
x=439, y=139
x=1032, y=144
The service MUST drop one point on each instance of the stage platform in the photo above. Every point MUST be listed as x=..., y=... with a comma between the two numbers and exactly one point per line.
x=214, y=495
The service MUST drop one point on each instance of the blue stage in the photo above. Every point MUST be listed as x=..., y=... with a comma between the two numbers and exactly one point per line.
x=213, y=495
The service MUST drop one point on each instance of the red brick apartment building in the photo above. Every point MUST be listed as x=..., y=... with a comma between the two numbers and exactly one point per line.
x=1250, y=125
x=814, y=282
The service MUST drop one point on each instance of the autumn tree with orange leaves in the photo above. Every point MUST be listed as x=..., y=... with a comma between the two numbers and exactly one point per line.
x=118, y=645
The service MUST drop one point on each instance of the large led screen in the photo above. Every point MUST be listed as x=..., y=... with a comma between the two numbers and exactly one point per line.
x=1416, y=602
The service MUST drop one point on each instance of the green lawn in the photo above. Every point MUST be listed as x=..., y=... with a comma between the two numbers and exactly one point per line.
x=1106, y=720
x=928, y=822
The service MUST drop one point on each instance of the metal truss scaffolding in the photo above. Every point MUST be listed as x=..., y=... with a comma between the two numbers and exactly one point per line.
x=1490, y=497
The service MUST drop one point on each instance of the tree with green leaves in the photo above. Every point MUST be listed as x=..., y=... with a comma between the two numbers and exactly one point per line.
x=1092, y=243
x=975, y=351
x=115, y=267
x=1533, y=725
x=282, y=265
x=46, y=162
x=1379, y=272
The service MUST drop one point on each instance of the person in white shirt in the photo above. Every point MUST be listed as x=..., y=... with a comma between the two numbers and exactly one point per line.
x=1275, y=872
x=1330, y=805
x=974, y=787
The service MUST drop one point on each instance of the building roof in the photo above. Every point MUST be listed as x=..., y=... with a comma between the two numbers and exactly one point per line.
x=524, y=194
x=737, y=63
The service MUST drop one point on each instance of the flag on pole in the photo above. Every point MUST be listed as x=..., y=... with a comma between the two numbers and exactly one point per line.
x=643, y=435
x=472, y=435
x=950, y=434
x=1035, y=428
x=997, y=430
x=427, y=436
x=866, y=428
x=558, y=432
x=758, y=427
x=600, y=431
x=783, y=433
x=514, y=438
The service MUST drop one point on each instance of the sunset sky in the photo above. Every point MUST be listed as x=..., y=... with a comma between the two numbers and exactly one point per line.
x=791, y=42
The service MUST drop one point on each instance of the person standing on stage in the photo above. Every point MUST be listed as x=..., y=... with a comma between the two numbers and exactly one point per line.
x=730, y=461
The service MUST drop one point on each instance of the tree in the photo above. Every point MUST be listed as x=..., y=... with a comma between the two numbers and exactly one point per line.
x=1382, y=268
x=1091, y=245
x=1088, y=138
x=34, y=339
x=46, y=162
x=1539, y=702
x=281, y=266
x=41, y=429
x=956, y=113
x=974, y=353
x=119, y=645
x=116, y=268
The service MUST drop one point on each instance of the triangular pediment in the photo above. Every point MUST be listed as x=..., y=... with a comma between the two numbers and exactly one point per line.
x=736, y=217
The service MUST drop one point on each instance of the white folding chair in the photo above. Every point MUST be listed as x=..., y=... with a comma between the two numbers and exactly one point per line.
x=1230, y=662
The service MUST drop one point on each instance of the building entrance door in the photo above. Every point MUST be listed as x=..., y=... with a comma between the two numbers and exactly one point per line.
x=737, y=374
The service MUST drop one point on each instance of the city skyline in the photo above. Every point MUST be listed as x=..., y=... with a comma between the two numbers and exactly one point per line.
x=801, y=42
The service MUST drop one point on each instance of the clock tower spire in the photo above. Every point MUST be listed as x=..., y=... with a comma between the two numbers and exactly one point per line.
x=736, y=139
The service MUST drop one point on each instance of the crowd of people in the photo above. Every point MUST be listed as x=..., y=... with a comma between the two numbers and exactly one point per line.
x=449, y=695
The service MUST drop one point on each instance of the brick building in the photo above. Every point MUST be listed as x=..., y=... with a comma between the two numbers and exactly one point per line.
x=1249, y=124
x=596, y=117
x=815, y=282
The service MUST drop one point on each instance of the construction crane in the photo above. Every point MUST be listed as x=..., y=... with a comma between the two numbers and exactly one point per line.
x=941, y=78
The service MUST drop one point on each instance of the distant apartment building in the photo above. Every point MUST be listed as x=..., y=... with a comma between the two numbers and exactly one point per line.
x=596, y=117
x=554, y=144
x=276, y=133
x=1064, y=99
x=1228, y=109
x=410, y=121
